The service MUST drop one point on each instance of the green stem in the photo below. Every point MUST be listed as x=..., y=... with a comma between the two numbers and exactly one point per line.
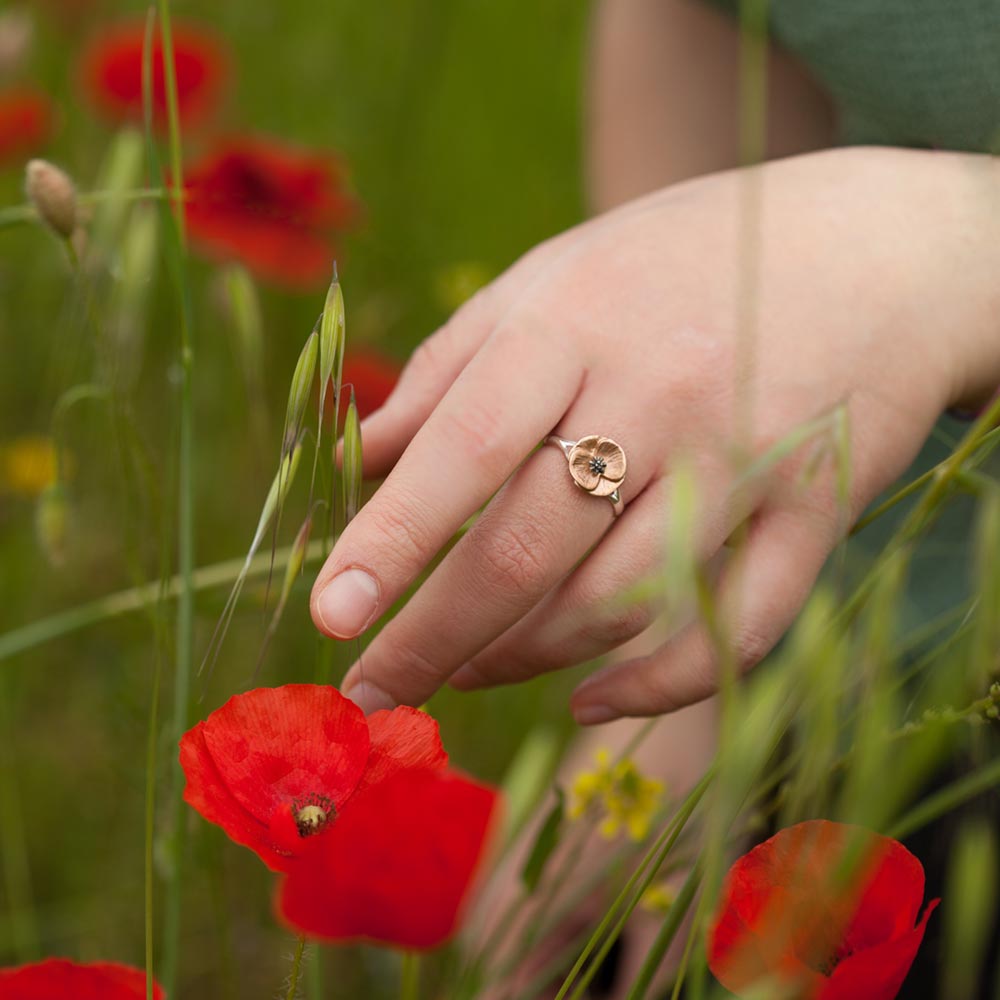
x=293, y=979
x=409, y=980
x=665, y=936
x=185, y=521
x=948, y=798
x=138, y=598
x=642, y=876
x=173, y=114
x=150, y=820
x=24, y=938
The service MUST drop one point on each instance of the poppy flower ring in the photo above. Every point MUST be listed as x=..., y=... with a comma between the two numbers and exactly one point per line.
x=597, y=465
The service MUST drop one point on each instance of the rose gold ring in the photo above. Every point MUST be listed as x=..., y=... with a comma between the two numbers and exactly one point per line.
x=597, y=465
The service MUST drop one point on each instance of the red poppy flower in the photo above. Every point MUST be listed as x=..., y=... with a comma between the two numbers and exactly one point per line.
x=111, y=72
x=787, y=915
x=25, y=124
x=270, y=206
x=397, y=867
x=378, y=839
x=59, y=978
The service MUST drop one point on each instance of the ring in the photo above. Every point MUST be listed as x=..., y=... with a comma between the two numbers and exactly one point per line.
x=597, y=465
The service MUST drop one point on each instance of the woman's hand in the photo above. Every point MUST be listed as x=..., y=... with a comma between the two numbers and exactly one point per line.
x=679, y=326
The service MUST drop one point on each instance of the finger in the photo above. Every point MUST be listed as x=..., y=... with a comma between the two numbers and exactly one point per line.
x=532, y=533
x=760, y=594
x=441, y=358
x=428, y=375
x=590, y=612
x=508, y=397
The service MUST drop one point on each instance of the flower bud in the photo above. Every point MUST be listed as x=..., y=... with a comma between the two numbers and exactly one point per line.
x=53, y=194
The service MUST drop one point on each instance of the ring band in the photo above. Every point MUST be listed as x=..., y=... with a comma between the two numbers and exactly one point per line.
x=597, y=465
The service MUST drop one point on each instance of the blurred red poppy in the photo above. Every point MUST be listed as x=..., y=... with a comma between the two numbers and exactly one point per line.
x=25, y=124
x=789, y=917
x=275, y=766
x=59, y=979
x=271, y=206
x=397, y=866
x=111, y=72
x=372, y=374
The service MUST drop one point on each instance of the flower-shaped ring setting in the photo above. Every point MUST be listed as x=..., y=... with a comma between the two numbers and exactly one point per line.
x=597, y=465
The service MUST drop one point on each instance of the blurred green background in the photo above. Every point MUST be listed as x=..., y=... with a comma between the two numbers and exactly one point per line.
x=459, y=126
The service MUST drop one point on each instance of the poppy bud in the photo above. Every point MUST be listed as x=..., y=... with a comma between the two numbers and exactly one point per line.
x=53, y=194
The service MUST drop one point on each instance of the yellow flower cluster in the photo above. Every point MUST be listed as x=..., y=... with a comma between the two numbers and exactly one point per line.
x=27, y=465
x=621, y=792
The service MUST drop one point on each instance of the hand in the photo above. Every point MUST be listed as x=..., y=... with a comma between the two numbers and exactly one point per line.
x=870, y=291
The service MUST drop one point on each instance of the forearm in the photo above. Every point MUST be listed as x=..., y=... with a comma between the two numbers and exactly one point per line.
x=663, y=99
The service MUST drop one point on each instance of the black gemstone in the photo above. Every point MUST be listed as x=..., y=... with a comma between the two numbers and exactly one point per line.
x=598, y=465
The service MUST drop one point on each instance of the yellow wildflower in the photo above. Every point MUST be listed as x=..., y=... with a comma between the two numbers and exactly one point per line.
x=27, y=465
x=658, y=898
x=626, y=797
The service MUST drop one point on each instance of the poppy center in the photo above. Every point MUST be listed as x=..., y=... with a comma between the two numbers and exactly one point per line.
x=598, y=465
x=312, y=814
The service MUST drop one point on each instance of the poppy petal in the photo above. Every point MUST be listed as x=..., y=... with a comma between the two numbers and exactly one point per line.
x=25, y=124
x=614, y=458
x=110, y=71
x=397, y=866
x=878, y=973
x=401, y=738
x=207, y=793
x=786, y=907
x=579, y=465
x=267, y=747
x=59, y=978
x=269, y=205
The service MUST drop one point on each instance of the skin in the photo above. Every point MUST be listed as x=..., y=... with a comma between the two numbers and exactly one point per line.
x=874, y=291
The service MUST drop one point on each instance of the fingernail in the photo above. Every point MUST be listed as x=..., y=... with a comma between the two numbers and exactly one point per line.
x=346, y=605
x=369, y=697
x=594, y=715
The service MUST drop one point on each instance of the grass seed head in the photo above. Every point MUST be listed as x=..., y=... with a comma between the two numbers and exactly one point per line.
x=298, y=394
x=53, y=194
x=331, y=334
x=352, y=476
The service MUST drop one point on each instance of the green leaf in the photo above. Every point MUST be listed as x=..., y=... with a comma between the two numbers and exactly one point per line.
x=545, y=843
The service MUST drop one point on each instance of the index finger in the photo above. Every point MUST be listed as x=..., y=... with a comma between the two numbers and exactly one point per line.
x=505, y=401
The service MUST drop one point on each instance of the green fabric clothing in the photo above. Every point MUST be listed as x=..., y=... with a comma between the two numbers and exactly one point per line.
x=902, y=72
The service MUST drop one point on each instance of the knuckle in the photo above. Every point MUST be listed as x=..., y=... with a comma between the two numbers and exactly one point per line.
x=430, y=355
x=751, y=644
x=399, y=530
x=413, y=675
x=479, y=432
x=511, y=556
x=617, y=623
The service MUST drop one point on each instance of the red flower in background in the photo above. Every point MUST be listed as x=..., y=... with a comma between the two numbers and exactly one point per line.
x=269, y=205
x=60, y=979
x=25, y=124
x=785, y=917
x=373, y=376
x=111, y=72
x=378, y=839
